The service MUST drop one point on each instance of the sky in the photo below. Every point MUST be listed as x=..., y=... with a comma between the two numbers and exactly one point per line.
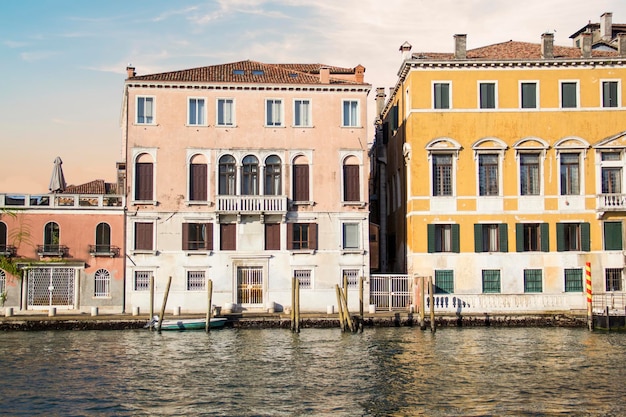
x=62, y=62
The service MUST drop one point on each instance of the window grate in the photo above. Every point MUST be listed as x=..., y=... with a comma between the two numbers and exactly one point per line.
x=304, y=278
x=532, y=280
x=353, y=277
x=142, y=280
x=102, y=283
x=444, y=282
x=574, y=280
x=196, y=281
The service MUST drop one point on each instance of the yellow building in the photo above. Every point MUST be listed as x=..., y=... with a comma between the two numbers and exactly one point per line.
x=499, y=173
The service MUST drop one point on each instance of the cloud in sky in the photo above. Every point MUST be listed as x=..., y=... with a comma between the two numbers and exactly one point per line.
x=72, y=55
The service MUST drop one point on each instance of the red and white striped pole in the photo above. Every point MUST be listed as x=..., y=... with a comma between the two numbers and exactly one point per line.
x=589, y=295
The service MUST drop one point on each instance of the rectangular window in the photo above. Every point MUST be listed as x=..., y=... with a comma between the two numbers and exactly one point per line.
x=529, y=95
x=569, y=95
x=487, y=95
x=350, y=116
x=351, y=236
x=609, y=94
x=144, y=172
x=302, y=113
x=570, y=173
x=491, y=281
x=197, y=112
x=529, y=174
x=197, y=236
x=611, y=173
x=304, y=278
x=196, y=281
x=142, y=280
x=574, y=280
x=144, y=236
x=613, y=279
x=532, y=237
x=102, y=284
x=300, y=183
x=225, y=112
x=613, y=236
x=491, y=237
x=145, y=110
x=352, y=275
x=198, y=182
x=443, y=238
x=273, y=112
x=488, y=181
x=302, y=236
x=533, y=280
x=441, y=95
x=351, y=184
x=572, y=237
x=444, y=282
x=272, y=236
x=228, y=236
x=442, y=174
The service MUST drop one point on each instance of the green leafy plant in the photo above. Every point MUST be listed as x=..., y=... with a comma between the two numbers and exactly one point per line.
x=3, y=298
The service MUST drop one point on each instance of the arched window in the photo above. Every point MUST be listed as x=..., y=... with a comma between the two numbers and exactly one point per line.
x=198, y=178
x=102, y=283
x=51, y=237
x=144, y=178
x=250, y=176
x=3, y=281
x=103, y=238
x=3, y=237
x=300, y=179
x=227, y=175
x=351, y=183
x=273, y=182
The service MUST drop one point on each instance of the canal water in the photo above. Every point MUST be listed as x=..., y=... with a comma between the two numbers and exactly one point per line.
x=318, y=372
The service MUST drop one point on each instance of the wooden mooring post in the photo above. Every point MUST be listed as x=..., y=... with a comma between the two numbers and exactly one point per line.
x=422, y=304
x=297, y=305
x=361, y=316
x=151, y=302
x=342, y=323
x=209, y=290
x=431, y=298
x=167, y=293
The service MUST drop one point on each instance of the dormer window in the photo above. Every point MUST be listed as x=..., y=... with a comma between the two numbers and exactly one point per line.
x=258, y=72
x=238, y=72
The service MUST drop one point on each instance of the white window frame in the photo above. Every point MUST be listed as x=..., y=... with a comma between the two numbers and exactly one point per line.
x=500, y=154
x=102, y=281
x=219, y=102
x=144, y=97
x=619, y=92
x=202, y=113
x=151, y=273
x=277, y=103
x=561, y=82
x=344, y=242
x=310, y=277
x=309, y=121
x=153, y=154
x=204, y=278
x=537, y=95
x=354, y=283
x=357, y=115
x=134, y=237
x=495, y=94
x=432, y=89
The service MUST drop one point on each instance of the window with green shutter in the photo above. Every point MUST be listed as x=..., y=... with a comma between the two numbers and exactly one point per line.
x=490, y=238
x=574, y=280
x=612, y=235
x=491, y=281
x=532, y=280
x=444, y=282
x=443, y=238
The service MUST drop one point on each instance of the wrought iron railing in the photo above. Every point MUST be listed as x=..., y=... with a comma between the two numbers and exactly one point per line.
x=104, y=250
x=52, y=250
x=8, y=250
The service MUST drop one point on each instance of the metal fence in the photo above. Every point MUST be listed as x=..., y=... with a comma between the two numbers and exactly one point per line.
x=391, y=291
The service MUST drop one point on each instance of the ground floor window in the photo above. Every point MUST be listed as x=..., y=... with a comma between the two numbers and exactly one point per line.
x=196, y=281
x=142, y=280
x=304, y=278
x=532, y=280
x=444, y=282
x=613, y=279
x=574, y=280
x=353, y=277
x=491, y=281
x=3, y=281
x=102, y=283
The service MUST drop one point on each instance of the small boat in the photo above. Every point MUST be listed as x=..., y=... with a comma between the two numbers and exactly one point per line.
x=188, y=324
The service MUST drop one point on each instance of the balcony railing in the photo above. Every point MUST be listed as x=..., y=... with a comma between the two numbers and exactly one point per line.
x=251, y=204
x=46, y=201
x=611, y=202
x=104, y=250
x=8, y=250
x=52, y=250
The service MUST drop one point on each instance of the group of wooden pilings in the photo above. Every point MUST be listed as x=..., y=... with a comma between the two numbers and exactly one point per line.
x=209, y=309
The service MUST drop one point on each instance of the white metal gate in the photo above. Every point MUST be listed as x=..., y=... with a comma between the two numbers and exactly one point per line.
x=391, y=292
x=51, y=287
x=249, y=285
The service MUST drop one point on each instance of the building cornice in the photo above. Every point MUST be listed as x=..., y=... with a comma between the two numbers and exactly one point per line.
x=362, y=88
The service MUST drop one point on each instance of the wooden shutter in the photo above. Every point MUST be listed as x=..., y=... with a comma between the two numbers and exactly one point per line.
x=272, y=236
x=560, y=237
x=478, y=238
x=301, y=183
x=143, y=181
x=431, y=238
x=585, y=241
x=186, y=236
x=612, y=235
x=208, y=239
x=313, y=236
x=504, y=237
x=519, y=237
x=143, y=236
x=228, y=236
x=198, y=182
x=290, y=236
x=456, y=238
x=351, y=183
x=545, y=237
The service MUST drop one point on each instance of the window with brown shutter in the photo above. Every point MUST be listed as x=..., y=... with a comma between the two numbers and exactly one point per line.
x=143, y=236
x=272, y=236
x=351, y=183
x=197, y=236
x=302, y=236
x=198, y=182
x=143, y=181
x=228, y=236
x=300, y=183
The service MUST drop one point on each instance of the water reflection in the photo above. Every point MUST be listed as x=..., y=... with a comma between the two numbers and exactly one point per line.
x=319, y=372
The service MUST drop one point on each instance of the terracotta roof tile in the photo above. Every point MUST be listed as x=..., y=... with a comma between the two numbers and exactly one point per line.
x=513, y=50
x=92, y=187
x=252, y=72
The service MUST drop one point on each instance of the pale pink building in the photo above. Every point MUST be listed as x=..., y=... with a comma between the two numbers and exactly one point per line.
x=63, y=250
x=248, y=174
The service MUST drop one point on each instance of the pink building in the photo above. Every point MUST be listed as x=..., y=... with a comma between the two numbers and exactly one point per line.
x=248, y=174
x=63, y=250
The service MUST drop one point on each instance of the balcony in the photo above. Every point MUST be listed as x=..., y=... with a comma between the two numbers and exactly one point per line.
x=251, y=204
x=7, y=250
x=57, y=251
x=65, y=201
x=611, y=202
x=104, y=250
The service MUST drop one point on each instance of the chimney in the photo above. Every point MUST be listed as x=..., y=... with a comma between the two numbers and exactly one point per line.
x=460, y=46
x=547, y=46
x=586, y=47
x=405, y=48
x=621, y=44
x=606, y=26
x=359, y=73
x=380, y=100
x=325, y=75
x=130, y=71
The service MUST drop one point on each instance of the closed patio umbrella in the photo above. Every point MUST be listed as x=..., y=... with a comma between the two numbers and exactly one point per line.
x=57, y=180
